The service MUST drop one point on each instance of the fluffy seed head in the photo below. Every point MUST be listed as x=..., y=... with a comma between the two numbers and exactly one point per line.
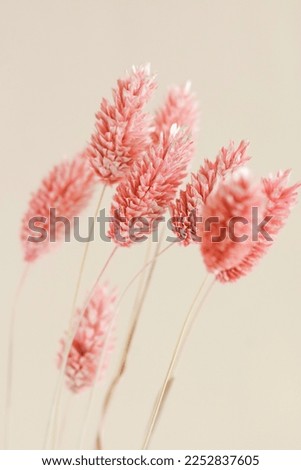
x=88, y=344
x=226, y=229
x=180, y=108
x=68, y=189
x=191, y=200
x=122, y=129
x=232, y=260
x=150, y=186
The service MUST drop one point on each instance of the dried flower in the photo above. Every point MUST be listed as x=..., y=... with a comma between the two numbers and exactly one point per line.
x=230, y=258
x=150, y=186
x=67, y=189
x=183, y=209
x=233, y=198
x=122, y=129
x=89, y=341
x=180, y=108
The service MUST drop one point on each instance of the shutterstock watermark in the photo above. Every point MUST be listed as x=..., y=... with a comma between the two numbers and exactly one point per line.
x=139, y=229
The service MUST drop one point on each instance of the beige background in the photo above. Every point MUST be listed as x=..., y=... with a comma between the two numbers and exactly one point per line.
x=238, y=384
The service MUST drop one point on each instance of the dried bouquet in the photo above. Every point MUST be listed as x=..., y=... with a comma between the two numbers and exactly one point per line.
x=223, y=211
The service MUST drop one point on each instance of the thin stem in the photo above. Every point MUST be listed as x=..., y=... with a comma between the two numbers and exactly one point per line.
x=56, y=410
x=124, y=358
x=94, y=387
x=64, y=418
x=142, y=277
x=163, y=400
x=184, y=333
x=107, y=338
x=74, y=302
x=10, y=359
x=89, y=296
x=98, y=444
x=141, y=271
x=84, y=258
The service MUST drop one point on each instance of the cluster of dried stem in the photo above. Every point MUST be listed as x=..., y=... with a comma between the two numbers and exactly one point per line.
x=148, y=157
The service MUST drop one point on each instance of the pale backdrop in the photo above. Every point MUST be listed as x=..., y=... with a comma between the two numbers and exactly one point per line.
x=238, y=384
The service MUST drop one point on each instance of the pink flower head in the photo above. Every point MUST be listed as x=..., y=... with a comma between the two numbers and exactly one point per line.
x=122, y=129
x=183, y=209
x=227, y=257
x=89, y=342
x=180, y=108
x=68, y=189
x=150, y=186
x=223, y=244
